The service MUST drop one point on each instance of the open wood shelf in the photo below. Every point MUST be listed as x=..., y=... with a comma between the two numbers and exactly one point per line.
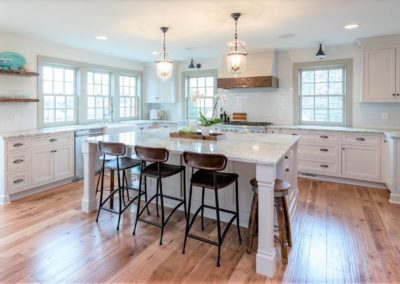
x=16, y=100
x=18, y=73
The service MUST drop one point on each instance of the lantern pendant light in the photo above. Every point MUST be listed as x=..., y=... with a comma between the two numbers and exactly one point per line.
x=164, y=65
x=236, y=55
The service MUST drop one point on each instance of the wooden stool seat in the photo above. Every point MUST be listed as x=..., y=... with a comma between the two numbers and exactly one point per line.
x=281, y=189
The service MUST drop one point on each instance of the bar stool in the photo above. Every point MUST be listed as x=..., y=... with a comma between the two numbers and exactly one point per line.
x=281, y=189
x=208, y=176
x=159, y=170
x=118, y=163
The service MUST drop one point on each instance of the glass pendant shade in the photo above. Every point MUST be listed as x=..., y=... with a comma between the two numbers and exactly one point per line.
x=237, y=54
x=164, y=65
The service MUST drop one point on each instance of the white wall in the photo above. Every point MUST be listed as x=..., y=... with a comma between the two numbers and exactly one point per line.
x=21, y=116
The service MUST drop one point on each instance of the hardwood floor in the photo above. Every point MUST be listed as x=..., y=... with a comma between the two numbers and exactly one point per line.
x=341, y=233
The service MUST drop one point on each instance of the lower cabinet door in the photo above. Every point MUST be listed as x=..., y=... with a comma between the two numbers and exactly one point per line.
x=41, y=166
x=63, y=162
x=361, y=163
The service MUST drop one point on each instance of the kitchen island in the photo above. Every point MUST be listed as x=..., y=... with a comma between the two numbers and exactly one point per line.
x=264, y=156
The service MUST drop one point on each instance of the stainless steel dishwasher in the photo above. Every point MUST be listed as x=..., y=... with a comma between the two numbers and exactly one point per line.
x=80, y=137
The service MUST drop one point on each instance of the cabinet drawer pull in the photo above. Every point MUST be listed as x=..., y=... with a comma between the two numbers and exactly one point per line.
x=360, y=139
x=294, y=134
x=53, y=151
x=324, y=150
x=16, y=145
x=324, y=166
x=18, y=161
x=52, y=140
x=324, y=137
x=17, y=181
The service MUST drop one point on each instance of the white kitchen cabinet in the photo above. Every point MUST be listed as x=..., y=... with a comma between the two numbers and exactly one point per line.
x=380, y=75
x=157, y=91
x=381, y=69
x=42, y=166
x=361, y=162
x=63, y=161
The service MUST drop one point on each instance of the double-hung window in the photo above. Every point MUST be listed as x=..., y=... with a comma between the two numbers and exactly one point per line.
x=322, y=92
x=200, y=90
x=59, y=94
x=98, y=96
x=128, y=98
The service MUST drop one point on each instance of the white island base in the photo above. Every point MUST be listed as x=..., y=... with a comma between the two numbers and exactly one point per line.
x=265, y=157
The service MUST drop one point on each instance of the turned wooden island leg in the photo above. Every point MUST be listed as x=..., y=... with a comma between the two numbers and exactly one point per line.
x=89, y=200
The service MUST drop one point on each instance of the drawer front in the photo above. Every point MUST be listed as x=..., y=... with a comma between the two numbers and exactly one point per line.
x=310, y=152
x=17, y=144
x=17, y=161
x=361, y=139
x=314, y=136
x=319, y=167
x=17, y=182
x=52, y=139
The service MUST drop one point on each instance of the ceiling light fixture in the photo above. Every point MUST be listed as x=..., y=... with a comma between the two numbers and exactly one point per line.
x=351, y=26
x=320, y=53
x=164, y=65
x=193, y=64
x=236, y=55
x=101, y=37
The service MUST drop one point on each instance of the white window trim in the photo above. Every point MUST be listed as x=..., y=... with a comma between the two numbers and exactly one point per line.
x=198, y=73
x=116, y=115
x=347, y=113
x=81, y=101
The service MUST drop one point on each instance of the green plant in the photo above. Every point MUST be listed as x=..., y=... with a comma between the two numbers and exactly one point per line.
x=204, y=121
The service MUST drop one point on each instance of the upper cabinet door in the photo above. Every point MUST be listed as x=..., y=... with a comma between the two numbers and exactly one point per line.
x=157, y=91
x=380, y=75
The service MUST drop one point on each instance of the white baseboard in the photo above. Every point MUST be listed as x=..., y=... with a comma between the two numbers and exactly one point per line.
x=345, y=181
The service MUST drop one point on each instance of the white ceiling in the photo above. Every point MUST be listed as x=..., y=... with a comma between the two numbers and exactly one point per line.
x=198, y=28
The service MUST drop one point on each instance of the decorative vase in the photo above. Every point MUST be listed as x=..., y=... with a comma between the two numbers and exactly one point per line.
x=205, y=130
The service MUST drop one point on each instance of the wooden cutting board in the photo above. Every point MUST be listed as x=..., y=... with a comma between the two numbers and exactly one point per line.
x=239, y=116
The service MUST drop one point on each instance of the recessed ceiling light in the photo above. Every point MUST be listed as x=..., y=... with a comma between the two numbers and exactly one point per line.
x=101, y=37
x=351, y=26
x=289, y=35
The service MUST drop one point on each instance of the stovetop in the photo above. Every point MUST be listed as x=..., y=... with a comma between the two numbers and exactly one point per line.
x=248, y=123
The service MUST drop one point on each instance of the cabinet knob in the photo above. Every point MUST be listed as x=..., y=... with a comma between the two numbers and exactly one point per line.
x=393, y=95
x=398, y=95
x=287, y=170
x=343, y=148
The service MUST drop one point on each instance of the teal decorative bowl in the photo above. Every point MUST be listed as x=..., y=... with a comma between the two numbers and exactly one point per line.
x=11, y=61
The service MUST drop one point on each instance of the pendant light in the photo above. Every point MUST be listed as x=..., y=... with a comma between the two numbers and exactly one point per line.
x=236, y=55
x=164, y=65
x=320, y=53
x=194, y=65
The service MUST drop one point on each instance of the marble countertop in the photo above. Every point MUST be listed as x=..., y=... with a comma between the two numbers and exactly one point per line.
x=251, y=148
x=392, y=132
x=60, y=129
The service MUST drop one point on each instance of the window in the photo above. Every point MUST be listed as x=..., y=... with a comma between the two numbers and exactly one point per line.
x=79, y=93
x=128, y=100
x=98, y=95
x=322, y=92
x=59, y=94
x=200, y=89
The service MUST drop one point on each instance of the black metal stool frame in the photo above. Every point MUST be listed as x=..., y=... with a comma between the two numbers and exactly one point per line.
x=221, y=237
x=120, y=189
x=159, y=193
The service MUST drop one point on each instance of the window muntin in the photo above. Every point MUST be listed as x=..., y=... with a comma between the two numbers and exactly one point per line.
x=128, y=99
x=200, y=95
x=322, y=95
x=59, y=94
x=98, y=95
